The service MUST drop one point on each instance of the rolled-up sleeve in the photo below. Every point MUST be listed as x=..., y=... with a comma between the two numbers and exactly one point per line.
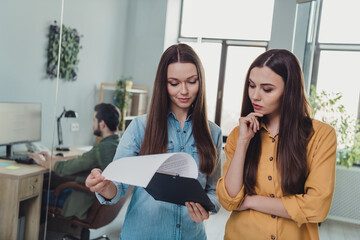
x=120, y=192
x=229, y=203
x=314, y=205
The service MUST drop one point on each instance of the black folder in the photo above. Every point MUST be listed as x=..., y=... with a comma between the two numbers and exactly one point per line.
x=178, y=190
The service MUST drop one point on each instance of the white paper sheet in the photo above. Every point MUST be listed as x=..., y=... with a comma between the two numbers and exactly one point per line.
x=139, y=170
x=85, y=148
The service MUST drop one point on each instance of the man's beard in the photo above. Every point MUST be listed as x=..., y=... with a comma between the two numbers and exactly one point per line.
x=97, y=132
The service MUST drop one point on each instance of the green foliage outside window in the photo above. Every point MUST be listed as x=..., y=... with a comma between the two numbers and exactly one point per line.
x=70, y=47
x=327, y=108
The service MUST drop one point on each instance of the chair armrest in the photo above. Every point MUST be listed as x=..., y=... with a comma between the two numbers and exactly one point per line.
x=73, y=185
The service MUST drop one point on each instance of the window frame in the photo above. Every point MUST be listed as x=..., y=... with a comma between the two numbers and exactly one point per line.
x=225, y=44
x=328, y=46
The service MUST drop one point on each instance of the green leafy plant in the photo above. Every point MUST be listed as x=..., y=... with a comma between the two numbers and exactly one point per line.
x=122, y=97
x=70, y=47
x=327, y=107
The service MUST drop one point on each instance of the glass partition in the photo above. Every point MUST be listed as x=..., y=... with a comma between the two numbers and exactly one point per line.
x=24, y=82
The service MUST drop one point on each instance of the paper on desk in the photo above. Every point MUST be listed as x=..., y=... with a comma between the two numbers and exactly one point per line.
x=85, y=148
x=139, y=170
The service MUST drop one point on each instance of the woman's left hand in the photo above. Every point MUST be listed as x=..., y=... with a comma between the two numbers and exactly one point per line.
x=197, y=212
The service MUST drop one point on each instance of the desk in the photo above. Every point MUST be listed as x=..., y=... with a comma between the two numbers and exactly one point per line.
x=74, y=150
x=21, y=191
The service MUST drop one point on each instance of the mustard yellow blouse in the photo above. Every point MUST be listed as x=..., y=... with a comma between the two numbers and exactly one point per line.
x=306, y=210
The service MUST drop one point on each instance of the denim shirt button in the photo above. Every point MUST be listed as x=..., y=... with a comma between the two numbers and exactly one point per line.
x=184, y=131
x=177, y=225
x=178, y=130
x=182, y=148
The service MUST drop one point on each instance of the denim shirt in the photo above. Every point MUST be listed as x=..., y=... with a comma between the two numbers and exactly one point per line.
x=147, y=218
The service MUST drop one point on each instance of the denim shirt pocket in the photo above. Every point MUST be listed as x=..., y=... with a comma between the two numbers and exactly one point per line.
x=171, y=147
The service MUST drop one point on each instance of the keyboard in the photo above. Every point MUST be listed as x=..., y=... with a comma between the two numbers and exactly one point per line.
x=22, y=159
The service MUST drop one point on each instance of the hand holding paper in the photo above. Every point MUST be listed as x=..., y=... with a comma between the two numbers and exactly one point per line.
x=97, y=183
x=169, y=177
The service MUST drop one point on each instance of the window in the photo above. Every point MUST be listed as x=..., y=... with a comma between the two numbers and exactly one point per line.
x=227, y=19
x=222, y=33
x=337, y=52
x=238, y=61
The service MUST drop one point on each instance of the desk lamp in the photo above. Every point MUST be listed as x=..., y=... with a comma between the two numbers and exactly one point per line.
x=66, y=114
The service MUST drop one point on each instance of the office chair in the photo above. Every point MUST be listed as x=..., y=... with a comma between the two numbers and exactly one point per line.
x=98, y=215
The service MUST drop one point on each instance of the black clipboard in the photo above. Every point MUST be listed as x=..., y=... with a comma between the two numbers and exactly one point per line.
x=178, y=190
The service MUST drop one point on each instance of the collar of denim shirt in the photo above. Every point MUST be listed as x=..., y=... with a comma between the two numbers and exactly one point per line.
x=171, y=114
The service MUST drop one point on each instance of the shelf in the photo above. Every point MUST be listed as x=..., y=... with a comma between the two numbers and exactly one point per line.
x=137, y=102
x=136, y=91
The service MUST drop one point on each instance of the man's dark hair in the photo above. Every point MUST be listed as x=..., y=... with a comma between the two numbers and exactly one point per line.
x=109, y=113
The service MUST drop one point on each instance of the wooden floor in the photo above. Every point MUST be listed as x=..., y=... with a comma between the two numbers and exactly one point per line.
x=215, y=225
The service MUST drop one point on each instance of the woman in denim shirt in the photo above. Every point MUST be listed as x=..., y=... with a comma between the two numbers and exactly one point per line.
x=178, y=102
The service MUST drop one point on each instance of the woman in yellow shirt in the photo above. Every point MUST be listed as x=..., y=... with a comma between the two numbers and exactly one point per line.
x=279, y=174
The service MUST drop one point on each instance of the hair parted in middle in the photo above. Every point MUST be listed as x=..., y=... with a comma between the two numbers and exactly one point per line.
x=156, y=133
x=295, y=124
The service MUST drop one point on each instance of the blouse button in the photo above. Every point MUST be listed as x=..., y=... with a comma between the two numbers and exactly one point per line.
x=181, y=148
x=272, y=195
x=273, y=140
x=184, y=131
x=269, y=177
x=178, y=130
x=272, y=237
x=273, y=216
x=177, y=225
x=271, y=158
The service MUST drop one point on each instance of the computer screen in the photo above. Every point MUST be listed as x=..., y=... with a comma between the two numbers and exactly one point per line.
x=19, y=123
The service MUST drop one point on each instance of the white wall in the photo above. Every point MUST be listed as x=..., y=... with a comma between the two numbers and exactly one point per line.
x=23, y=45
x=283, y=24
x=121, y=37
x=144, y=40
x=102, y=24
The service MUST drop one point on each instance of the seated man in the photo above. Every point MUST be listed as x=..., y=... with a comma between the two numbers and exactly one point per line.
x=106, y=121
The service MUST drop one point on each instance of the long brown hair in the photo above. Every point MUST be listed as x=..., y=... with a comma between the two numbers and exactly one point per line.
x=295, y=124
x=156, y=132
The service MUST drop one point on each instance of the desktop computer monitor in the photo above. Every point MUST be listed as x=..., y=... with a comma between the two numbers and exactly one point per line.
x=19, y=123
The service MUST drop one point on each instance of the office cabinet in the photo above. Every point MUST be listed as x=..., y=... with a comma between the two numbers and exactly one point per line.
x=20, y=196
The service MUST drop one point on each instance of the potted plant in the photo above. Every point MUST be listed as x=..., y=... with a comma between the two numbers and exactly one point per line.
x=122, y=98
x=327, y=108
